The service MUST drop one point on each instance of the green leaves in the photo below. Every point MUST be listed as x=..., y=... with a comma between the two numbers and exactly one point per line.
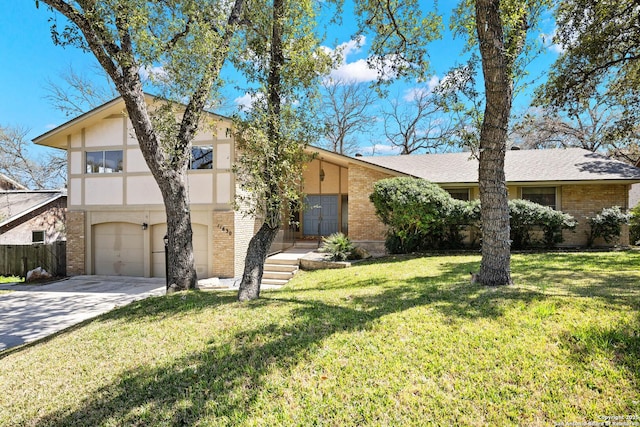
x=600, y=42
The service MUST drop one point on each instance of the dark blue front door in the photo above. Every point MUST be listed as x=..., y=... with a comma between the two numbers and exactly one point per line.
x=320, y=216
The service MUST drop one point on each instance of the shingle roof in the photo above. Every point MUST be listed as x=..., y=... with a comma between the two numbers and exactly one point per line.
x=14, y=204
x=570, y=164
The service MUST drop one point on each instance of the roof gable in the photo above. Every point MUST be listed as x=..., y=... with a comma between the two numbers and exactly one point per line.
x=57, y=137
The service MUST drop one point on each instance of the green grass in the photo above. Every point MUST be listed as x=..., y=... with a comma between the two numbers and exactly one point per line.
x=398, y=341
x=10, y=279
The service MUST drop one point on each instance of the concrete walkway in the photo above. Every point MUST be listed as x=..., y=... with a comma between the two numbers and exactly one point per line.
x=32, y=312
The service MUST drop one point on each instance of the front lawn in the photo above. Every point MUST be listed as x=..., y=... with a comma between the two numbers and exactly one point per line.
x=398, y=341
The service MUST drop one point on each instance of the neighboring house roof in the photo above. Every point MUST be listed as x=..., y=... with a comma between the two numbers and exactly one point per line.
x=15, y=205
x=522, y=166
x=7, y=183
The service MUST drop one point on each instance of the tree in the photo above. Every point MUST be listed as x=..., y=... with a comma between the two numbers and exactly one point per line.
x=547, y=129
x=16, y=162
x=420, y=124
x=78, y=93
x=600, y=43
x=275, y=132
x=190, y=39
x=593, y=127
x=344, y=113
x=499, y=30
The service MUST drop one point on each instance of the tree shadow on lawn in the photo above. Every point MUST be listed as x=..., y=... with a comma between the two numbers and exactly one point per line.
x=226, y=381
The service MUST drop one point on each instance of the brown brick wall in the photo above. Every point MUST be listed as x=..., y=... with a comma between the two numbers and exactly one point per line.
x=584, y=201
x=223, y=244
x=246, y=228
x=75, y=243
x=364, y=225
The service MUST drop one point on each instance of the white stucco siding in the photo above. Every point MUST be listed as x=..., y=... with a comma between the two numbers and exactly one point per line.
x=201, y=188
x=103, y=190
x=143, y=190
x=223, y=188
x=223, y=156
x=135, y=161
x=105, y=133
x=75, y=191
x=76, y=162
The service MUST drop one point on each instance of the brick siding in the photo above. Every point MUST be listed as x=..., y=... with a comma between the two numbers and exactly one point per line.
x=584, y=201
x=364, y=225
x=223, y=244
x=75, y=243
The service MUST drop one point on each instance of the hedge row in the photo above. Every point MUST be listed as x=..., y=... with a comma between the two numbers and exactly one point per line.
x=421, y=216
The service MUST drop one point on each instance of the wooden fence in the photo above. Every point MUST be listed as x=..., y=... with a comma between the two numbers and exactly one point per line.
x=16, y=260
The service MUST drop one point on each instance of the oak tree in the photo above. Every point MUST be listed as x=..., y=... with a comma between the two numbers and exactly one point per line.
x=498, y=29
x=190, y=40
x=283, y=58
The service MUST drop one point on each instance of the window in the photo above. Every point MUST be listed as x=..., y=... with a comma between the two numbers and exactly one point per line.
x=545, y=196
x=202, y=157
x=37, y=237
x=104, y=161
x=459, y=193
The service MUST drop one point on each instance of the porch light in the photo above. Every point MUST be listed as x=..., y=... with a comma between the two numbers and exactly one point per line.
x=145, y=225
x=321, y=175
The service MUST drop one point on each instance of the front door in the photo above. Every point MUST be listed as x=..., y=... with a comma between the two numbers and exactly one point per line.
x=320, y=216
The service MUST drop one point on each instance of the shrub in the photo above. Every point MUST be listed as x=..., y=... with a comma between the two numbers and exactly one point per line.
x=523, y=216
x=338, y=246
x=552, y=223
x=634, y=225
x=462, y=215
x=415, y=210
x=607, y=224
x=527, y=216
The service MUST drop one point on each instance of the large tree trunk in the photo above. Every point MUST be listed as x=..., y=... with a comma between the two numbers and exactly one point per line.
x=173, y=187
x=496, y=254
x=254, y=262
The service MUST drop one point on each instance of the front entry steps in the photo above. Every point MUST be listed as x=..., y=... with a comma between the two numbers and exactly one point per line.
x=281, y=267
x=279, y=271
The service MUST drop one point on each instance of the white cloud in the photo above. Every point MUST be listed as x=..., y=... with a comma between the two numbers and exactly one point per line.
x=420, y=91
x=547, y=41
x=359, y=70
x=153, y=73
x=245, y=102
x=356, y=72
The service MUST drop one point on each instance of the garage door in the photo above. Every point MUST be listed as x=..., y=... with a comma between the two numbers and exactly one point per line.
x=118, y=249
x=200, y=250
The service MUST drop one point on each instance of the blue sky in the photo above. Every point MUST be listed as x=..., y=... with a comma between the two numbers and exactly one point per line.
x=30, y=59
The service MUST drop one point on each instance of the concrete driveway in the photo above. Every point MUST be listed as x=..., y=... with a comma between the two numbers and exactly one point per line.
x=32, y=312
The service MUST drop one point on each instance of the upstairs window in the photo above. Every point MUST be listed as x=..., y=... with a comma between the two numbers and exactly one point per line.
x=545, y=196
x=201, y=157
x=104, y=161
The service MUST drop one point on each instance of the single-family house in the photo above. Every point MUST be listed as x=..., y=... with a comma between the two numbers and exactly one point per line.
x=28, y=217
x=7, y=183
x=116, y=220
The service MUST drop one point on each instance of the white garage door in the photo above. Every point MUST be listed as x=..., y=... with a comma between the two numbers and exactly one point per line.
x=118, y=249
x=200, y=252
